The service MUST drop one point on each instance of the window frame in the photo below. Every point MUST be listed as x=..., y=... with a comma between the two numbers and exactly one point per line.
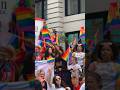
x=66, y=8
x=43, y=10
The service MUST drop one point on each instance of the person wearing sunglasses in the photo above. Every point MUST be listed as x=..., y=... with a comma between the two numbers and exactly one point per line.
x=57, y=83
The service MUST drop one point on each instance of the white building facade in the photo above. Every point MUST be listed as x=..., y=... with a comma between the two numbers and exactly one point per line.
x=62, y=15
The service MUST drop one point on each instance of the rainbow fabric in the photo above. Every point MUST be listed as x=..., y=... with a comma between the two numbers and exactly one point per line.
x=50, y=59
x=66, y=54
x=25, y=19
x=53, y=38
x=112, y=18
x=82, y=31
x=82, y=35
x=25, y=23
x=45, y=33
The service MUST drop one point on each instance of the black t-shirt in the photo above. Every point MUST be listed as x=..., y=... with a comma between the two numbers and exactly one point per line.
x=39, y=86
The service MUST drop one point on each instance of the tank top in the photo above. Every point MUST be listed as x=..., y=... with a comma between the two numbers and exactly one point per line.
x=105, y=70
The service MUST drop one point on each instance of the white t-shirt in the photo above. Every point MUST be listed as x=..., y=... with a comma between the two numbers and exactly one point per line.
x=82, y=87
x=53, y=88
x=80, y=56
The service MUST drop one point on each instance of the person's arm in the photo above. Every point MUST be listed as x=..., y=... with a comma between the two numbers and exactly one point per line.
x=49, y=77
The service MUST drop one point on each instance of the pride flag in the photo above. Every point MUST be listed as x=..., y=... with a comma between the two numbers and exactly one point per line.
x=82, y=34
x=53, y=38
x=66, y=54
x=25, y=19
x=113, y=17
x=82, y=31
x=50, y=59
x=45, y=33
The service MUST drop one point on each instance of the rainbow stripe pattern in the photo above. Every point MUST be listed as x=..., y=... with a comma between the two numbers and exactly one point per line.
x=66, y=54
x=45, y=33
x=50, y=59
x=25, y=19
x=25, y=22
x=53, y=38
x=82, y=35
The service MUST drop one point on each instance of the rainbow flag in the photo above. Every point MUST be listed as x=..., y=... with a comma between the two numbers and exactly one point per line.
x=25, y=18
x=82, y=31
x=82, y=35
x=112, y=18
x=53, y=38
x=66, y=54
x=50, y=59
x=45, y=33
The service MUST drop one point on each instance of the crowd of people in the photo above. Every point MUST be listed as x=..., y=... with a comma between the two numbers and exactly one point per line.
x=68, y=75
x=100, y=68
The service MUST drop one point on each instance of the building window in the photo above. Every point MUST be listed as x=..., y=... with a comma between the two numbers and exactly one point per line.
x=3, y=5
x=73, y=7
x=41, y=8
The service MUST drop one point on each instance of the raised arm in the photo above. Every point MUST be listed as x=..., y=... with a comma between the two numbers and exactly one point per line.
x=49, y=77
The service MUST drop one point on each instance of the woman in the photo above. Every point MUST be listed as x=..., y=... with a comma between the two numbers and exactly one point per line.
x=57, y=84
x=60, y=68
x=105, y=65
x=49, y=53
